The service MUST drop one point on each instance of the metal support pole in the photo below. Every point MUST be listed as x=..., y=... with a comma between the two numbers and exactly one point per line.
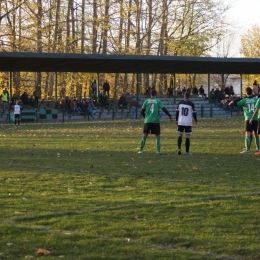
x=208, y=85
x=56, y=87
x=241, y=85
x=98, y=83
x=174, y=88
x=202, y=111
x=11, y=84
x=138, y=77
x=11, y=91
x=113, y=114
x=36, y=116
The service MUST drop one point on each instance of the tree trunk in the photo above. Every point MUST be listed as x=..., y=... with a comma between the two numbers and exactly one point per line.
x=73, y=41
x=138, y=22
x=105, y=27
x=68, y=27
x=94, y=28
x=39, y=41
x=56, y=27
x=149, y=37
x=82, y=49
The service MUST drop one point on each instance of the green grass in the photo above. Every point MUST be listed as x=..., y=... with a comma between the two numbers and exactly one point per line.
x=81, y=191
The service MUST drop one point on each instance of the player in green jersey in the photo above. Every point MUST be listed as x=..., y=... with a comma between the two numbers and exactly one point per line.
x=248, y=105
x=257, y=112
x=150, y=111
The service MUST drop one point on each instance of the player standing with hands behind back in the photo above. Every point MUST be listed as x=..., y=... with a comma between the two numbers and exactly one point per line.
x=150, y=112
x=184, y=113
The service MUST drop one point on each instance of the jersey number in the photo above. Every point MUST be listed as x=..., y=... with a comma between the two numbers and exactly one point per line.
x=152, y=108
x=184, y=111
x=251, y=107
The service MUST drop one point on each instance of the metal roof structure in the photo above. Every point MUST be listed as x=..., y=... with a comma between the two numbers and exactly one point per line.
x=100, y=63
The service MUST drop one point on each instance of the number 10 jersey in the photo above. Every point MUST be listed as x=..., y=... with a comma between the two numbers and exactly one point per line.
x=184, y=112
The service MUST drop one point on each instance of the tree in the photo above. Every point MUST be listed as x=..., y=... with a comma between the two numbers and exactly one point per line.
x=250, y=48
x=141, y=27
x=250, y=43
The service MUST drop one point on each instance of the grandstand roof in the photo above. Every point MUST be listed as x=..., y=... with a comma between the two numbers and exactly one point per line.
x=99, y=63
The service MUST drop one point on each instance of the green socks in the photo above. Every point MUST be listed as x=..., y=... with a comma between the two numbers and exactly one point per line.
x=257, y=142
x=247, y=142
x=158, y=144
x=142, y=143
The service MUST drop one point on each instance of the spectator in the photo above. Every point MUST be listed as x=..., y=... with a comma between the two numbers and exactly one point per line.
x=231, y=91
x=122, y=102
x=227, y=93
x=63, y=103
x=4, y=97
x=202, y=92
x=195, y=91
x=103, y=100
x=94, y=86
x=94, y=98
x=13, y=100
x=221, y=96
x=82, y=105
x=6, y=91
x=91, y=108
x=184, y=90
x=106, y=88
x=179, y=92
x=217, y=92
x=170, y=92
x=212, y=95
x=31, y=102
x=25, y=99
x=75, y=108
x=147, y=91
x=36, y=94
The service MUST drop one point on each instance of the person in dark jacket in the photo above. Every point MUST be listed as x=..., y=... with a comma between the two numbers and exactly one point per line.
x=106, y=88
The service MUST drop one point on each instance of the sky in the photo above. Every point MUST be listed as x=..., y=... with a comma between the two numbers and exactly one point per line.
x=244, y=14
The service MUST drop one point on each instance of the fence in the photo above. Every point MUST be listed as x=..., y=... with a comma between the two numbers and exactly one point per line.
x=54, y=115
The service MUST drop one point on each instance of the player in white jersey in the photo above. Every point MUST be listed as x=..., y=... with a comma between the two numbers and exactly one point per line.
x=17, y=112
x=184, y=113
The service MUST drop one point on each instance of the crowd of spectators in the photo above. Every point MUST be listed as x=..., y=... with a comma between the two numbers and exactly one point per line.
x=220, y=94
x=26, y=100
x=215, y=94
x=79, y=106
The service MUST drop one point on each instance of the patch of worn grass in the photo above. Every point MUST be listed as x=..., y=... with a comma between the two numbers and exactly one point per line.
x=81, y=191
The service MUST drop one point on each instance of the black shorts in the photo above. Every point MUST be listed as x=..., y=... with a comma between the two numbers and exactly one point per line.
x=17, y=116
x=258, y=126
x=182, y=128
x=154, y=128
x=251, y=127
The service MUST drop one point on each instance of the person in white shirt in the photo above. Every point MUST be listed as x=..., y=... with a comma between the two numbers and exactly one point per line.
x=17, y=113
x=184, y=113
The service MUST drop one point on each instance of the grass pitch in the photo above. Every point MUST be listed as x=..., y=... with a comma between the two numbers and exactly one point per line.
x=81, y=191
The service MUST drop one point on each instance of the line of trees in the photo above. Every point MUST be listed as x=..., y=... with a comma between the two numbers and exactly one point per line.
x=140, y=27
